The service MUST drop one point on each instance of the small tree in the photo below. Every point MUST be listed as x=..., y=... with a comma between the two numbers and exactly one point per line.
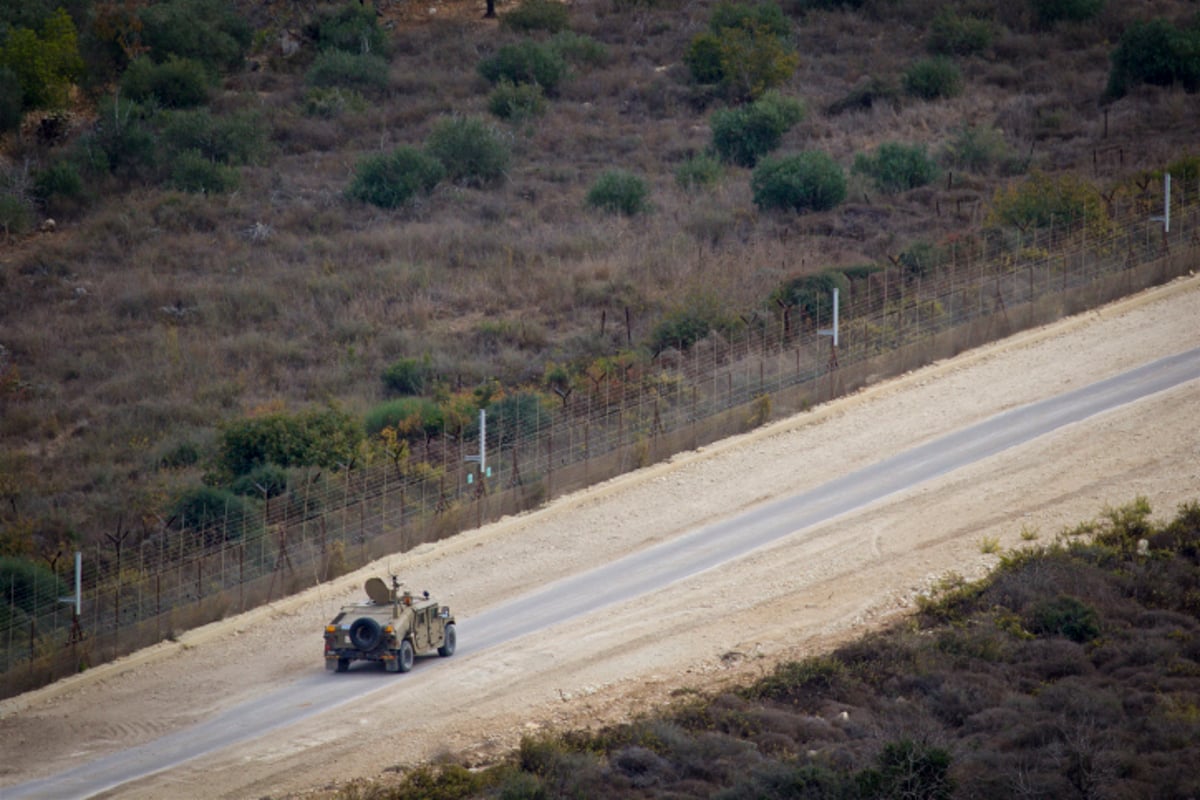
x=1042, y=200
x=353, y=28
x=471, y=151
x=526, y=62
x=619, y=192
x=932, y=78
x=896, y=167
x=743, y=135
x=394, y=179
x=1158, y=53
x=175, y=83
x=44, y=64
x=809, y=181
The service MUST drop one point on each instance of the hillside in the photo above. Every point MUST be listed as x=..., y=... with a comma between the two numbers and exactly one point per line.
x=178, y=292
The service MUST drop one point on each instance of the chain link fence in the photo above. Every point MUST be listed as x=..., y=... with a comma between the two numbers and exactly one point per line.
x=627, y=415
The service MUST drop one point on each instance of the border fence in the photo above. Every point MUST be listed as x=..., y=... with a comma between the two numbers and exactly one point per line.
x=138, y=592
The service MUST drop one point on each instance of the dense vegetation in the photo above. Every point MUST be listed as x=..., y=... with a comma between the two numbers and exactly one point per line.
x=1073, y=670
x=295, y=235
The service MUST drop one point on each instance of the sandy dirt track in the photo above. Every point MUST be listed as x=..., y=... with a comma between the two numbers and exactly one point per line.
x=791, y=599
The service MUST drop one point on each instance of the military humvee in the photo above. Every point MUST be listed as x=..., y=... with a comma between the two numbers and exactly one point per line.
x=393, y=627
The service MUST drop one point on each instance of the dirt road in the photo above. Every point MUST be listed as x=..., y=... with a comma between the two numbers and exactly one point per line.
x=789, y=599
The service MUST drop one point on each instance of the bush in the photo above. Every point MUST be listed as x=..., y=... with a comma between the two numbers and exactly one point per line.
x=745, y=49
x=215, y=511
x=515, y=417
x=59, y=187
x=932, y=78
x=897, y=167
x=1065, y=616
x=1042, y=200
x=16, y=213
x=537, y=15
x=952, y=35
x=976, y=149
x=325, y=438
x=1158, y=53
x=579, y=49
x=920, y=259
x=43, y=65
x=31, y=587
x=517, y=102
x=364, y=72
x=333, y=101
x=408, y=376
x=414, y=417
x=192, y=171
x=471, y=151
x=175, y=83
x=265, y=478
x=526, y=62
x=743, y=135
x=236, y=139
x=811, y=295
x=701, y=170
x=765, y=16
x=204, y=31
x=11, y=100
x=393, y=179
x=123, y=141
x=910, y=769
x=1049, y=12
x=619, y=192
x=351, y=28
x=810, y=181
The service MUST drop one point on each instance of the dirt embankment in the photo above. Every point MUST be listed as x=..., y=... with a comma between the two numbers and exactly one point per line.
x=798, y=596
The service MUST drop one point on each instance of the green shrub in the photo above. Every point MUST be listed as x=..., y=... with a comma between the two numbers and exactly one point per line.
x=269, y=480
x=811, y=295
x=192, y=171
x=219, y=513
x=364, y=72
x=700, y=170
x=410, y=376
x=932, y=78
x=517, y=102
x=175, y=83
x=1065, y=616
x=326, y=438
x=743, y=135
x=537, y=15
x=1049, y=12
x=236, y=139
x=44, y=64
x=765, y=16
x=976, y=149
x=16, y=213
x=920, y=259
x=123, y=140
x=351, y=28
x=1158, y=53
x=619, y=192
x=909, y=769
x=703, y=59
x=526, y=62
x=953, y=35
x=206, y=31
x=11, y=100
x=414, y=417
x=59, y=187
x=809, y=181
x=896, y=167
x=470, y=150
x=1042, y=200
x=393, y=179
x=29, y=586
x=333, y=101
x=578, y=49
x=516, y=417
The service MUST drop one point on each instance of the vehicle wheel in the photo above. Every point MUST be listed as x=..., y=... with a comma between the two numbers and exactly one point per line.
x=450, y=642
x=343, y=664
x=365, y=633
x=404, y=656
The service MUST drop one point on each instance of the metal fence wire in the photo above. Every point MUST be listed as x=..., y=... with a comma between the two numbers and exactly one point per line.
x=632, y=414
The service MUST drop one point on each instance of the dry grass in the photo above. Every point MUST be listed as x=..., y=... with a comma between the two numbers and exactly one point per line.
x=156, y=315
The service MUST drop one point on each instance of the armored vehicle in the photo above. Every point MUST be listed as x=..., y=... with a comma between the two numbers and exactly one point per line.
x=393, y=626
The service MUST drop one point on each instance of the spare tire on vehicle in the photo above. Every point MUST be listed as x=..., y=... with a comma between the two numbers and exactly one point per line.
x=365, y=633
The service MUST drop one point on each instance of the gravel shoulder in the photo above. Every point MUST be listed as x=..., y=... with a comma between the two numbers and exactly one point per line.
x=796, y=597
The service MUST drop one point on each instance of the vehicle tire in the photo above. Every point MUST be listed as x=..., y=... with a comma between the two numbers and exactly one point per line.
x=404, y=656
x=450, y=642
x=365, y=633
x=343, y=664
